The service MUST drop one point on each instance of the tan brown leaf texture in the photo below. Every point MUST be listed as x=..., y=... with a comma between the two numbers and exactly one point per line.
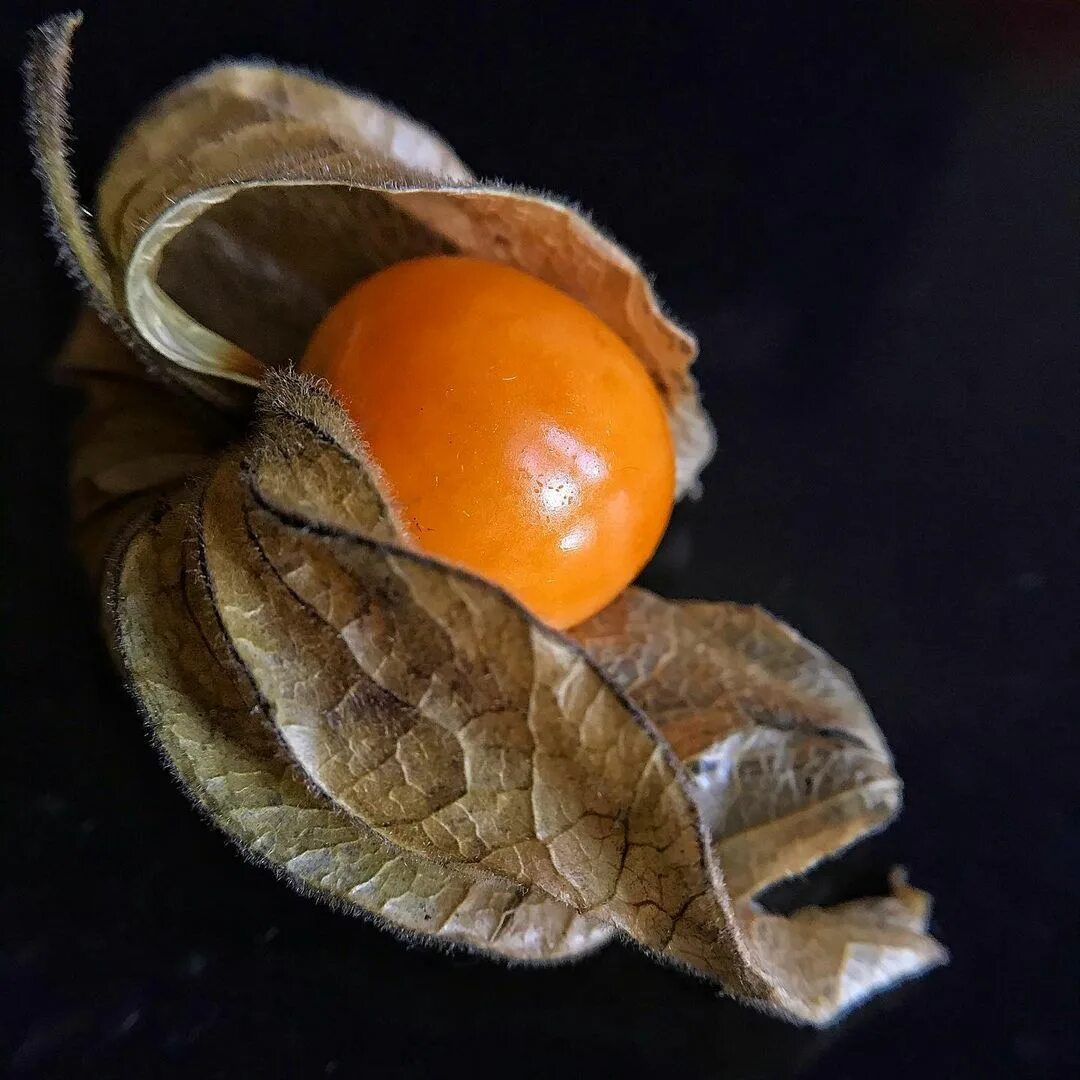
x=383, y=730
x=209, y=724
x=789, y=763
x=137, y=441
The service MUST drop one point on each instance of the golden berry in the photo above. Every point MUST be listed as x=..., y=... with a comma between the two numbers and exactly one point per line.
x=519, y=436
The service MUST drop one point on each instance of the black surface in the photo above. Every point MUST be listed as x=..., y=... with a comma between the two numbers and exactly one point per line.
x=871, y=219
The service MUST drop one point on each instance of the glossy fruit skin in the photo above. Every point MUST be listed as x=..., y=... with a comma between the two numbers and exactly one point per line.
x=519, y=436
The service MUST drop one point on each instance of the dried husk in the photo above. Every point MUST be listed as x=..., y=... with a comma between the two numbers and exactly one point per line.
x=381, y=729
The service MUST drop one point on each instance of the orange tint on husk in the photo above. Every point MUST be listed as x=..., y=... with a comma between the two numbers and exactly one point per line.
x=519, y=435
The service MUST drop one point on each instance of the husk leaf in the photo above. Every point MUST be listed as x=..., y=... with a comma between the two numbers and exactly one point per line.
x=384, y=730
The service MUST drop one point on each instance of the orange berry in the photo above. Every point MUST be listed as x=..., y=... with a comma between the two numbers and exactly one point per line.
x=519, y=436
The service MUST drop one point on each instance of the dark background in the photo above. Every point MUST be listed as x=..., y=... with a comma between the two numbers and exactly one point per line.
x=869, y=213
